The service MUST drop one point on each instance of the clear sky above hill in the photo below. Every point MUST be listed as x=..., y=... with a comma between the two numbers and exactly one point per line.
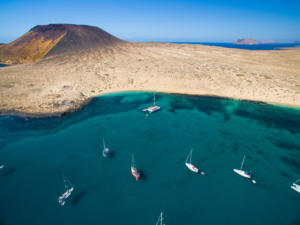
x=158, y=20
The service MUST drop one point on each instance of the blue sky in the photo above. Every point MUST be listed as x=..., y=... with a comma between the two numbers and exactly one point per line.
x=158, y=20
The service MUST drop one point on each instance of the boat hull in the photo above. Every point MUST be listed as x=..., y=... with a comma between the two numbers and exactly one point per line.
x=62, y=199
x=105, y=152
x=296, y=187
x=152, y=109
x=192, y=167
x=135, y=173
x=242, y=173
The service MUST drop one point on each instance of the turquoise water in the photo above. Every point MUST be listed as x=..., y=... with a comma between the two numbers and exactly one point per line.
x=221, y=131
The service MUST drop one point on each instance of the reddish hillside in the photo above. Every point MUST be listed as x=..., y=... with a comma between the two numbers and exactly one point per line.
x=42, y=41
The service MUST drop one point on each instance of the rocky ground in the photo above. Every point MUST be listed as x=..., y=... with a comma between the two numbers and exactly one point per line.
x=64, y=83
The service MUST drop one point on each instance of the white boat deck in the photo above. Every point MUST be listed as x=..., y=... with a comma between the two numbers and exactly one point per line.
x=152, y=109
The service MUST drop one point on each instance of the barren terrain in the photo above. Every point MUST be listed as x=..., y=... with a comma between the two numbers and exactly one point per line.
x=61, y=83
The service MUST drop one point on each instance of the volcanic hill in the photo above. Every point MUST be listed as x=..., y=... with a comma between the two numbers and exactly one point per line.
x=45, y=40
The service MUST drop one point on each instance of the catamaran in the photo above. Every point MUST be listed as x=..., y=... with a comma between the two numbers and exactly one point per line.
x=160, y=219
x=69, y=188
x=105, y=151
x=296, y=186
x=188, y=163
x=134, y=171
x=244, y=173
x=152, y=108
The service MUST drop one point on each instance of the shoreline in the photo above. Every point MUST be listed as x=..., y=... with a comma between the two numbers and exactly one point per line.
x=28, y=115
x=59, y=85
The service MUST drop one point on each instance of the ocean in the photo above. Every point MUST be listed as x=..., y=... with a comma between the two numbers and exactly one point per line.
x=38, y=152
x=275, y=46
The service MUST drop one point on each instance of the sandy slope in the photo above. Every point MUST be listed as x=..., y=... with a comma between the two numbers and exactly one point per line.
x=62, y=83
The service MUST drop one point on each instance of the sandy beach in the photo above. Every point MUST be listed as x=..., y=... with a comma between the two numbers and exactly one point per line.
x=63, y=83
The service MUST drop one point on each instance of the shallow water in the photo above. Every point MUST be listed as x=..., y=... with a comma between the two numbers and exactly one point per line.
x=221, y=131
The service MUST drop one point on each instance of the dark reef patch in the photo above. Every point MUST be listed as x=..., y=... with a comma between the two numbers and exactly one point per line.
x=287, y=145
x=285, y=175
x=270, y=115
x=292, y=162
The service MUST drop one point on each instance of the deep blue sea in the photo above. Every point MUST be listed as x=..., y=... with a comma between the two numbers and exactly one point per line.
x=276, y=46
x=37, y=152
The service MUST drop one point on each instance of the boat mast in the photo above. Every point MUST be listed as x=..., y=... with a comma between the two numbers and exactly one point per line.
x=296, y=181
x=67, y=183
x=160, y=219
x=189, y=157
x=154, y=99
x=104, y=144
x=243, y=162
x=132, y=160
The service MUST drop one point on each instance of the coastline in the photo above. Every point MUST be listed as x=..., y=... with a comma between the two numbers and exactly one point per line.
x=60, y=85
x=28, y=115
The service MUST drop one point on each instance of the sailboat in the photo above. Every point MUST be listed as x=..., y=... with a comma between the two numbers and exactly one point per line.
x=160, y=219
x=296, y=186
x=135, y=173
x=244, y=173
x=2, y=167
x=188, y=163
x=69, y=188
x=152, y=108
x=105, y=151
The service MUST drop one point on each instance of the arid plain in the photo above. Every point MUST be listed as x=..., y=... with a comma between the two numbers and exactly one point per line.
x=65, y=82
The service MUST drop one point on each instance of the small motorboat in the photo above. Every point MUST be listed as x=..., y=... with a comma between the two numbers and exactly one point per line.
x=296, y=186
x=135, y=173
x=152, y=108
x=2, y=167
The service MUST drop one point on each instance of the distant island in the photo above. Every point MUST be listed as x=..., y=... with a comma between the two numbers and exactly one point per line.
x=249, y=41
x=246, y=41
x=62, y=66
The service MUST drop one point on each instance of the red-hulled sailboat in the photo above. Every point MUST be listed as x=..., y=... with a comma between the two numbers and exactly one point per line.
x=135, y=173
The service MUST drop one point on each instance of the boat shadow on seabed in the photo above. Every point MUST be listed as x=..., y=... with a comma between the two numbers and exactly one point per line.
x=77, y=198
x=143, y=176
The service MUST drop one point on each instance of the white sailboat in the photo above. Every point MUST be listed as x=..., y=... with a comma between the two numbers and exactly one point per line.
x=188, y=163
x=242, y=172
x=105, y=151
x=152, y=108
x=2, y=167
x=296, y=186
x=160, y=219
x=69, y=188
x=135, y=173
